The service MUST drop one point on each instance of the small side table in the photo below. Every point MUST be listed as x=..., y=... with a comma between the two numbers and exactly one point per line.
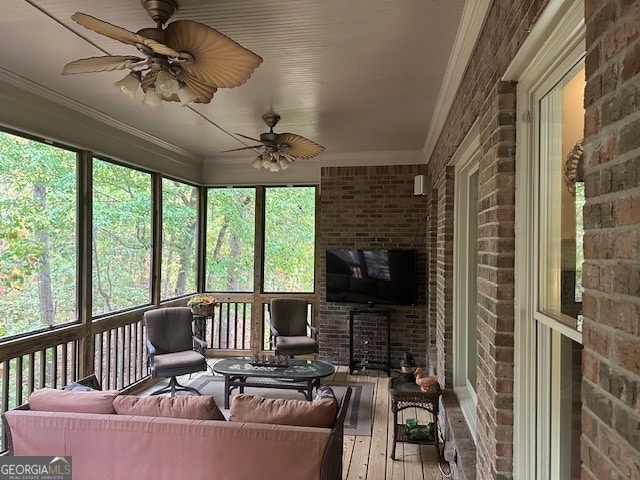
x=406, y=394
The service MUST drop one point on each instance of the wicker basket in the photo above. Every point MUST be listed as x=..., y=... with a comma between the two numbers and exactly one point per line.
x=203, y=311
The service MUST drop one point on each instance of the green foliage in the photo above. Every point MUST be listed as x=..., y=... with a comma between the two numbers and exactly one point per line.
x=121, y=237
x=37, y=235
x=289, y=239
x=230, y=239
x=579, y=203
x=38, y=244
x=179, y=238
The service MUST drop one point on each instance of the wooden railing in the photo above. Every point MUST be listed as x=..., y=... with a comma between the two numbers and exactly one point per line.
x=50, y=366
x=230, y=328
x=54, y=358
x=120, y=356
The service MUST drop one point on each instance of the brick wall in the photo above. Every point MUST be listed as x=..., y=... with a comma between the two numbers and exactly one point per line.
x=353, y=198
x=372, y=207
x=432, y=255
x=482, y=96
x=506, y=28
x=444, y=278
x=496, y=248
x=611, y=303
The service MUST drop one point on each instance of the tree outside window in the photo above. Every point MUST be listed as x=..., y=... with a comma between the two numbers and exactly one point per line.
x=179, y=238
x=121, y=247
x=37, y=235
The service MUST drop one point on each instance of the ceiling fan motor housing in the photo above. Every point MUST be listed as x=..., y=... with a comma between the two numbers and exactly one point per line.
x=160, y=10
x=269, y=138
x=271, y=119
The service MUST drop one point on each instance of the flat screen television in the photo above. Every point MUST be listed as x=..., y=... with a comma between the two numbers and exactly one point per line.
x=385, y=277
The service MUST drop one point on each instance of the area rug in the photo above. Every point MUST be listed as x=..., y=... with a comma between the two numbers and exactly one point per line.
x=359, y=412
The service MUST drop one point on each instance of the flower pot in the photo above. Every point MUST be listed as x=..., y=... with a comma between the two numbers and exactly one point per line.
x=203, y=311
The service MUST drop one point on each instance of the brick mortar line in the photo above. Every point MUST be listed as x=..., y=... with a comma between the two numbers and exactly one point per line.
x=614, y=295
x=625, y=336
x=610, y=428
x=617, y=195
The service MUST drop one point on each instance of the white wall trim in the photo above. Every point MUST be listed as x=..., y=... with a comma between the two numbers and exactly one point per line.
x=473, y=17
x=565, y=15
x=465, y=160
x=240, y=172
x=23, y=111
x=44, y=93
x=391, y=157
x=558, y=32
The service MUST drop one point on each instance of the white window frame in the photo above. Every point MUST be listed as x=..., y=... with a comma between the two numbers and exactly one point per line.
x=466, y=164
x=556, y=44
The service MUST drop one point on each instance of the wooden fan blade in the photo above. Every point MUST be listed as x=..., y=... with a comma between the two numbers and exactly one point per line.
x=218, y=60
x=121, y=34
x=100, y=64
x=299, y=147
x=243, y=148
x=248, y=138
x=202, y=90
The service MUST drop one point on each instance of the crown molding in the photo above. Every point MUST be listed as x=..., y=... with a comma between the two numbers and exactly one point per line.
x=238, y=173
x=471, y=23
x=47, y=94
x=346, y=159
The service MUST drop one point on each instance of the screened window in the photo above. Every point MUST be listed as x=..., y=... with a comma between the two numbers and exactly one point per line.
x=289, y=245
x=121, y=237
x=230, y=239
x=37, y=235
x=179, y=238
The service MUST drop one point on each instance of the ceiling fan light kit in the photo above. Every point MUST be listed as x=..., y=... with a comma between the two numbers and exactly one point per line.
x=185, y=62
x=129, y=84
x=279, y=150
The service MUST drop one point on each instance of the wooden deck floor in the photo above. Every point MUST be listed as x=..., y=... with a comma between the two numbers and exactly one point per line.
x=368, y=458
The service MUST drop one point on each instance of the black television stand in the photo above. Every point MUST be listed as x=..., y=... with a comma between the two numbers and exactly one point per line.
x=370, y=339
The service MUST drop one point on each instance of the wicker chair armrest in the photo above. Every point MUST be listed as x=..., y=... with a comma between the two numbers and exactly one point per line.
x=201, y=345
x=314, y=331
x=274, y=331
x=151, y=349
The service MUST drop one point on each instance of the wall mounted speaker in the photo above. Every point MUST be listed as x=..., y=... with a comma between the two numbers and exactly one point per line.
x=418, y=185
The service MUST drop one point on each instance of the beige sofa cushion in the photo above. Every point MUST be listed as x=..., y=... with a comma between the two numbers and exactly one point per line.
x=191, y=407
x=280, y=411
x=52, y=400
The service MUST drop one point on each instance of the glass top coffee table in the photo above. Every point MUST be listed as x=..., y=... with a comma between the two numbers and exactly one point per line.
x=300, y=375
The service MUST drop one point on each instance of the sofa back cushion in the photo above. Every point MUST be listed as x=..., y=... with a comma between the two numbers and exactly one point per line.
x=191, y=407
x=280, y=411
x=52, y=400
x=107, y=447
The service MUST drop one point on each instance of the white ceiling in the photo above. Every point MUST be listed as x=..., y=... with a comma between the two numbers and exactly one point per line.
x=357, y=76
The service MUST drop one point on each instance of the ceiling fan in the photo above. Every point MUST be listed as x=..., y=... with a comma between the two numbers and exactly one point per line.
x=278, y=150
x=185, y=62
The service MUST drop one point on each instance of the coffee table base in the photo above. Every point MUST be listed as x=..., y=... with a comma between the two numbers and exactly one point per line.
x=241, y=381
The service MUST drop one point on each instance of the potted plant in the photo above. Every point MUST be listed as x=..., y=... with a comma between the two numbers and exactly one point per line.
x=408, y=365
x=202, y=304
